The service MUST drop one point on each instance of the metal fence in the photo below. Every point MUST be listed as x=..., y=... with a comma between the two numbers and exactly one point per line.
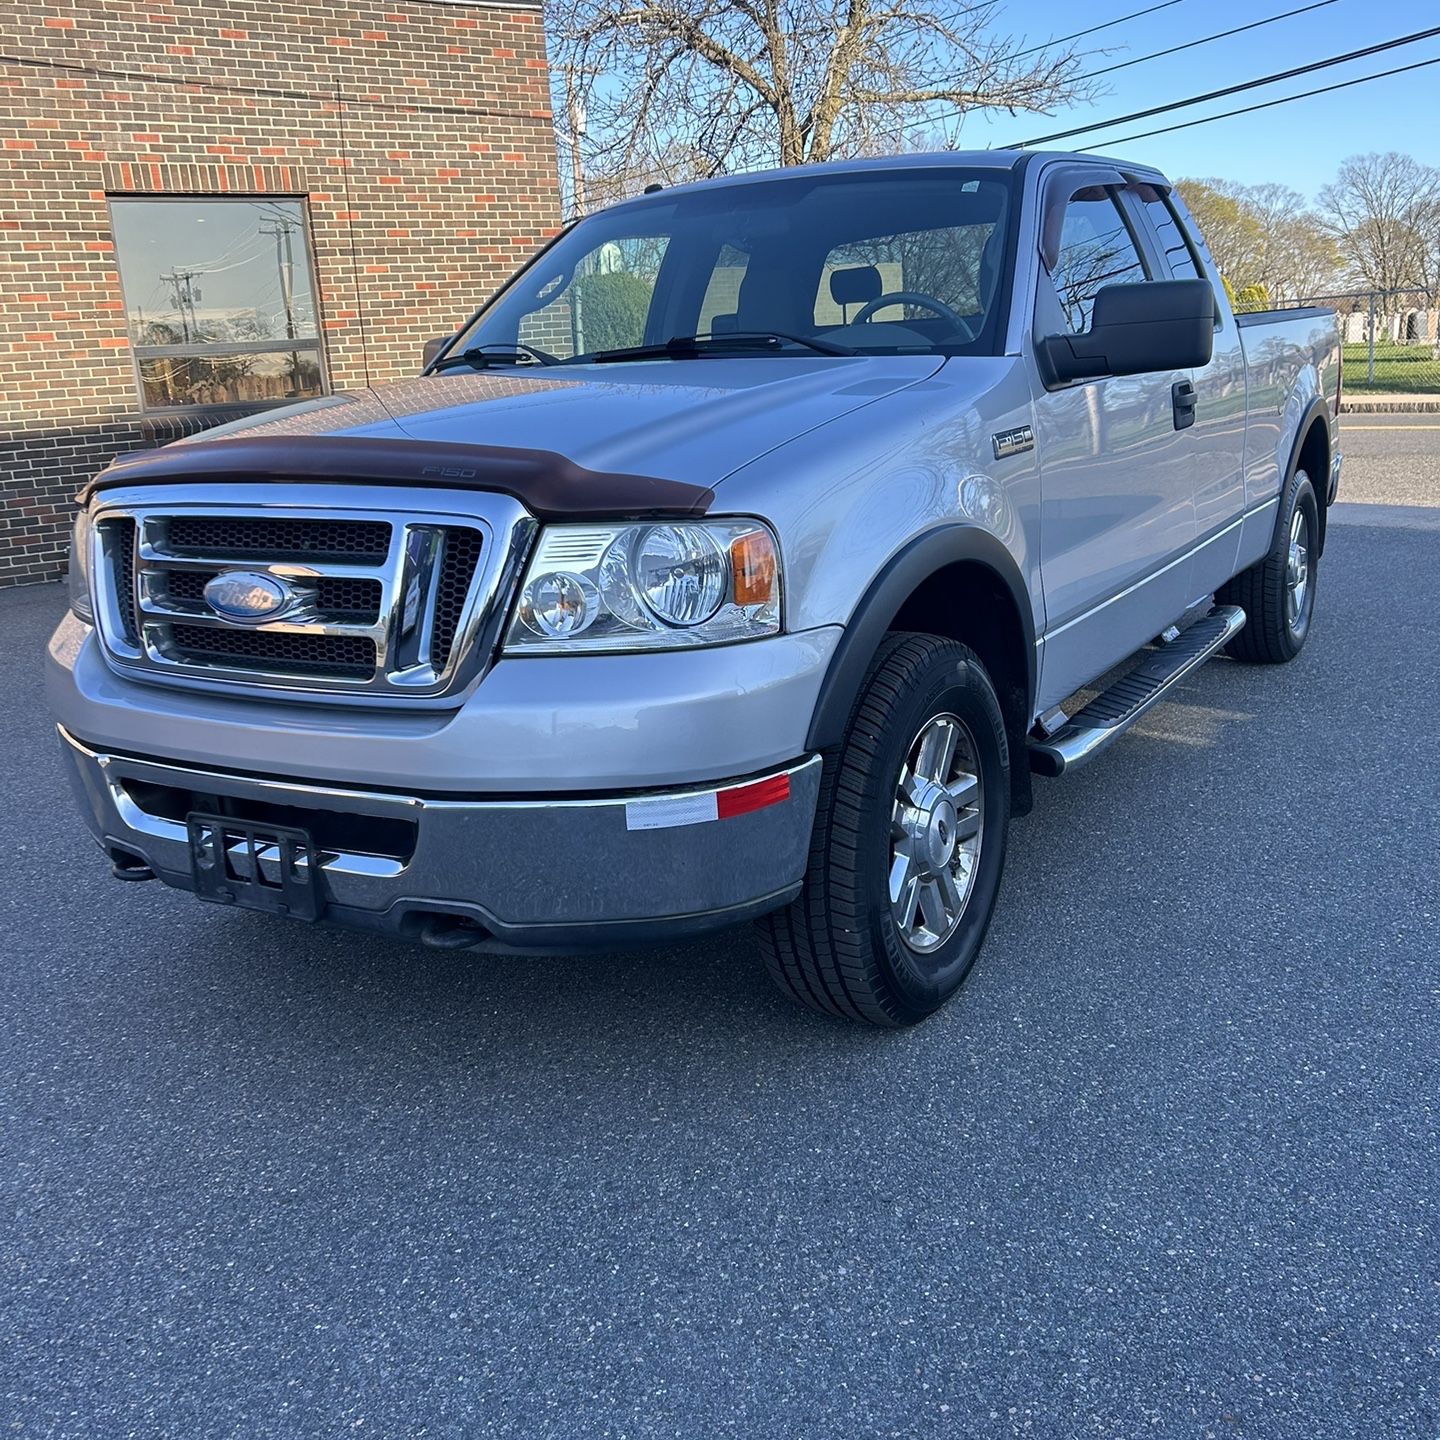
x=1391, y=338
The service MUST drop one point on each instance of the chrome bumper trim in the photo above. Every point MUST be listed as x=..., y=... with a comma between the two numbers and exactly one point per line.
x=535, y=865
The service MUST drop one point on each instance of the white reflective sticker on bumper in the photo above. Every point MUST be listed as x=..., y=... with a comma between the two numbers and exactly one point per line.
x=665, y=811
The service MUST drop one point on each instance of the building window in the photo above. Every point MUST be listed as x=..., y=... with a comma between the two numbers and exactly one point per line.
x=219, y=301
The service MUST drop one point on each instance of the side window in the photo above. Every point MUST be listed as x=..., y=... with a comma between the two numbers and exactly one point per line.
x=1173, y=240
x=1095, y=250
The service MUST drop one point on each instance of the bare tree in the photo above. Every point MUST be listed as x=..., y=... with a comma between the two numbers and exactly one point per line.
x=1264, y=235
x=1304, y=260
x=1298, y=257
x=677, y=89
x=1384, y=212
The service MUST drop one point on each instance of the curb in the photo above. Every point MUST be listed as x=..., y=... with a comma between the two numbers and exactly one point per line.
x=1406, y=406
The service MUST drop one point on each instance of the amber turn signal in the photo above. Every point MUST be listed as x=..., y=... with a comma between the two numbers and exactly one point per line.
x=752, y=562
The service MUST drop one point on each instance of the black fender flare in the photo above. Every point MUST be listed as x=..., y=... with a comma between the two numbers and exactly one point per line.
x=901, y=576
x=1317, y=409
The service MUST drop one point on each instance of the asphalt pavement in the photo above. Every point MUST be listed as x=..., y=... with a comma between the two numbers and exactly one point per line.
x=1167, y=1167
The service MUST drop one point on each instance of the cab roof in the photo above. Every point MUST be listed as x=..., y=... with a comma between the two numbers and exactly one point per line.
x=918, y=160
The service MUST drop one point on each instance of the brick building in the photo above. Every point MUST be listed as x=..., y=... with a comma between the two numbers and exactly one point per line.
x=212, y=206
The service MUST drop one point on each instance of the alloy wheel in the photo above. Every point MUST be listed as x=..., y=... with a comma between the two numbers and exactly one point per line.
x=936, y=831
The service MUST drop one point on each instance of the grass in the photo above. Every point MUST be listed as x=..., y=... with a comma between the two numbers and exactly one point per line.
x=1399, y=369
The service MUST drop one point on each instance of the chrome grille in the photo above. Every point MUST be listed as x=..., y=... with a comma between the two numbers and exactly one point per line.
x=349, y=655
x=277, y=538
x=384, y=604
x=457, y=574
x=336, y=596
x=122, y=536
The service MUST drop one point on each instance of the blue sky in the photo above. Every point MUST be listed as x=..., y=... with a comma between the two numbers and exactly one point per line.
x=1299, y=144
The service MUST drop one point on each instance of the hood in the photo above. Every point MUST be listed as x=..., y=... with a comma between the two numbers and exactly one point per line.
x=694, y=421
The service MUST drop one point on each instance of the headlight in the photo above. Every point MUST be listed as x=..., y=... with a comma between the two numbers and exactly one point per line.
x=648, y=587
x=80, y=602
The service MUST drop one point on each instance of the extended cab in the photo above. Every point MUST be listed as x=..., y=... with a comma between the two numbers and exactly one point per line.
x=737, y=561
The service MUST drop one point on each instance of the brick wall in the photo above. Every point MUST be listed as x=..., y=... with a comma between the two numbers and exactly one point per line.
x=437, y=165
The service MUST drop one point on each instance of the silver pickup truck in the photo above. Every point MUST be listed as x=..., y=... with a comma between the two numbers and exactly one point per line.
x=739, y=561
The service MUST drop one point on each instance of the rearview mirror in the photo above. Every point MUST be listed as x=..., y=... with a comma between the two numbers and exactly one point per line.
x=1137, y=329
x=433, y=348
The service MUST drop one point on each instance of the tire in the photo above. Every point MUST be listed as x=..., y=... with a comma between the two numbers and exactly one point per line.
x=1276, y=627
x=843, y=947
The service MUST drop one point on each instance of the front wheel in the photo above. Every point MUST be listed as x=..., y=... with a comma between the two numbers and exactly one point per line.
x=908, y=846
x=1277, y=593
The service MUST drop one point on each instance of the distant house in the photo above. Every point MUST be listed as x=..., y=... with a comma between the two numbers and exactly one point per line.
x=211, y=209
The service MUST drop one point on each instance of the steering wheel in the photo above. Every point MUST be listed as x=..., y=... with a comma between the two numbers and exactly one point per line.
x=914, y=297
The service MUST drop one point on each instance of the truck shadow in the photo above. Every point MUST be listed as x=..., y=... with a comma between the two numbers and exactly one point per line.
x=328, y=991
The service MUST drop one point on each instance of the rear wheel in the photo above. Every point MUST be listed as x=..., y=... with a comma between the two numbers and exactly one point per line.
x=1278, y=592
x=908, y=846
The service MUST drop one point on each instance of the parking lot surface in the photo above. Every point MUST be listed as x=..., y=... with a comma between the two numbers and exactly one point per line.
x=1167, y=1167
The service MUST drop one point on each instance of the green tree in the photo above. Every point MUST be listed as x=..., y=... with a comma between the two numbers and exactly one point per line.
x=1232, y=232
x=1252, y=297
x=1263, y=235
x=612, y=308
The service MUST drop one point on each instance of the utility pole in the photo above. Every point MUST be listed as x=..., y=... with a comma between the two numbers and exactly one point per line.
x=575, y=120
x=285, y=264
x=182, y=286
x=575, y=123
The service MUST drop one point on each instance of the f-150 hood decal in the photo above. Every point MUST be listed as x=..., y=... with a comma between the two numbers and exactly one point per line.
x=597, y=440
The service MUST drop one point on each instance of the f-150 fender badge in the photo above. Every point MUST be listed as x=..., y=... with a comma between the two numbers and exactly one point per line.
x=1013, y=442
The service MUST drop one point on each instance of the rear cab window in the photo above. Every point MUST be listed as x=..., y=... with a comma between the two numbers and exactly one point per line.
x=1174, y=236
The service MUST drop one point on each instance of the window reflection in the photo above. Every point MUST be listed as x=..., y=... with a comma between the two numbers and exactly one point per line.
x=224, y=379
x=1095, y=250
x=219, y=299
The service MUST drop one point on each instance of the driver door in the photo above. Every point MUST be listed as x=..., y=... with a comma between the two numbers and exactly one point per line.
x=1116, y=476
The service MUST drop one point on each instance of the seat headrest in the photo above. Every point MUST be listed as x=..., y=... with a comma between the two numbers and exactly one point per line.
x=856, y=285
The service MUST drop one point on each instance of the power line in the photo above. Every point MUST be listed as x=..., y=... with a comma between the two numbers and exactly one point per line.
x=1109, y=24
x=1140, y=59
x=233, y=264
x=1263, y=105
x=1236, y=89
x=1205, y=40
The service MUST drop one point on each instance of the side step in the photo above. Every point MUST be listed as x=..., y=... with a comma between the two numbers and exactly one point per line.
x=1111, y=714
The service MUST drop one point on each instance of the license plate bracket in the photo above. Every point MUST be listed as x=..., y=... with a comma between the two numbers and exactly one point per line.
x=258, y=867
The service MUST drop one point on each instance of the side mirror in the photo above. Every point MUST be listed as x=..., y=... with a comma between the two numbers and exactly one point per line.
x=433, y=348
x=1135, y=330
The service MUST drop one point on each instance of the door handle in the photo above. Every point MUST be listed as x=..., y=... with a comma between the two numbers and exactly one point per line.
x=1182, y=403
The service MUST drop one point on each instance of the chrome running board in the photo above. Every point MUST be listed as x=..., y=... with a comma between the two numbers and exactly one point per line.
x=1111, y=713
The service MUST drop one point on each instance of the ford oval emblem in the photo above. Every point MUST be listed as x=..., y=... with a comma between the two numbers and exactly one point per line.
x=247, y=595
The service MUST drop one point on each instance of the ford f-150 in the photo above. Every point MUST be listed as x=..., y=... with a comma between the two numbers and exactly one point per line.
x=738, y=561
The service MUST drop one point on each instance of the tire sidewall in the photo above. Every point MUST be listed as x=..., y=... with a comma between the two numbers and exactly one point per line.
x=1301, y=497
x=920, y=983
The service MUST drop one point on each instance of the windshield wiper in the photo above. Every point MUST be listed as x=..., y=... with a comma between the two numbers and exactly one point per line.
x=478, y=357
x=689, y=347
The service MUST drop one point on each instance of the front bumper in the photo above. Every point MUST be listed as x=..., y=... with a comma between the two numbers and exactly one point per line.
x=569, y=724
x=542, y=873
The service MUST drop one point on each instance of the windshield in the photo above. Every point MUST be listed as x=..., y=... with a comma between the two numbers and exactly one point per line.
x=881, y=262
